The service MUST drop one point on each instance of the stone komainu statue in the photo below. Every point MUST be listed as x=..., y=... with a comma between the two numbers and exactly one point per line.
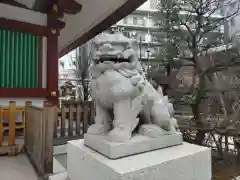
x=124, y=97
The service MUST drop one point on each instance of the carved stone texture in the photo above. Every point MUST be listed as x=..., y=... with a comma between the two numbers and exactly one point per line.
x=125, y=101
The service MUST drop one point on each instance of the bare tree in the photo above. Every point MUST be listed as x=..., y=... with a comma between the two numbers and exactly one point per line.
x=81, y=64
x=196, y=27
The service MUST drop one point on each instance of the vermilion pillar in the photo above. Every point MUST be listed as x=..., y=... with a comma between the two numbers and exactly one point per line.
x=52, y=52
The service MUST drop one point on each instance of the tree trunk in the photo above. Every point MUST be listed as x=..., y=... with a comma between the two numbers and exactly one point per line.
x=85, y=71
x=200, y=135
x=85, y=88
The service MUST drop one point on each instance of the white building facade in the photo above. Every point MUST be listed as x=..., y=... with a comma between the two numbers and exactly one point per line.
x=233, y=25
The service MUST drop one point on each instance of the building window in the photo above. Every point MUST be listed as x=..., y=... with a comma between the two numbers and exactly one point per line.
x=150, y=21
x=135, y=20
x=141, y=21
x=125, y=20
x=138, y=20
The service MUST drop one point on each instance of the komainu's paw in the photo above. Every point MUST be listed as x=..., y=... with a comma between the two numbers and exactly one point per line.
x=96, y=129
x=152, y=130
x=119, y=135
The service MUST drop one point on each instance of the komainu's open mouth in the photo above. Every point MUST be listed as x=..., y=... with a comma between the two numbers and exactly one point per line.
x=112, y=58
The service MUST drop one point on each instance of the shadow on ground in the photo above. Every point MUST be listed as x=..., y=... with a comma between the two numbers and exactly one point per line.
x=16, y=168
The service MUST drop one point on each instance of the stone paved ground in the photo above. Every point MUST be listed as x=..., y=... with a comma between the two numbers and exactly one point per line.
x=16, y=168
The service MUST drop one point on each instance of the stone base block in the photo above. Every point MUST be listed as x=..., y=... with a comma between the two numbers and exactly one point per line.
x=183, y=162
x=136, y=145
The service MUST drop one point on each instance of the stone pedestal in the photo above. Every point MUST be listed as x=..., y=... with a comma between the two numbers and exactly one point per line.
x=182, y=162
x=137, y=144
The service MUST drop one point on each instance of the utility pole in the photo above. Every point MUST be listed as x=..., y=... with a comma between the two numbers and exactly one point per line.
x=85, y=59
x=79, y=69
x=140, y=47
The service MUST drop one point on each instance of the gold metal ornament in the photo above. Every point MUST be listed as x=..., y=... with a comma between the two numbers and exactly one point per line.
x=55, y=8
x=54, y=31
x=53, y=93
